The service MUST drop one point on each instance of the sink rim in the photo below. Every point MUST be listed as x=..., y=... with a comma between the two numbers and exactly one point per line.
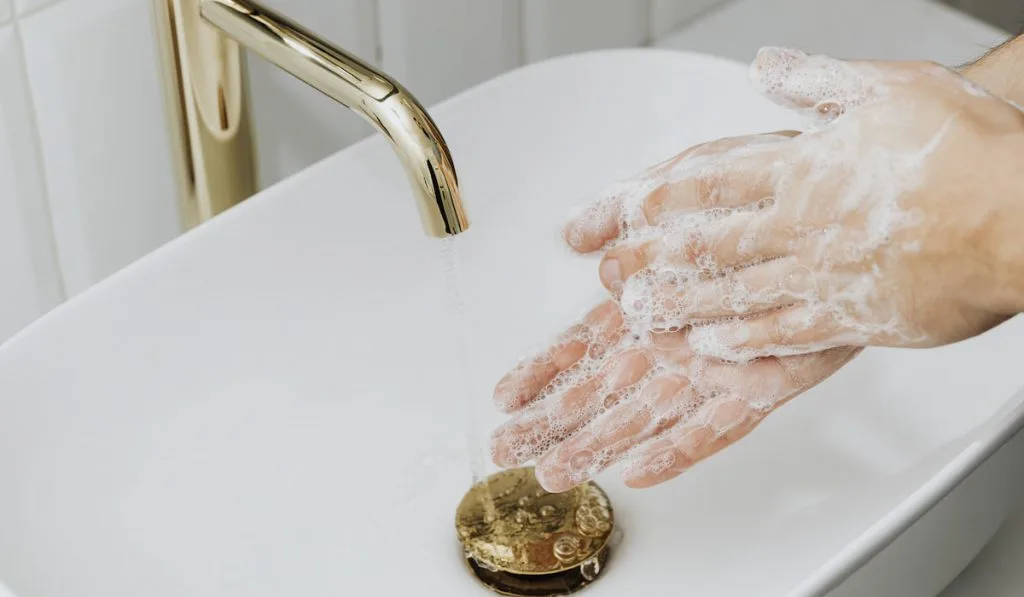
x=990, y=437
x=987, y=439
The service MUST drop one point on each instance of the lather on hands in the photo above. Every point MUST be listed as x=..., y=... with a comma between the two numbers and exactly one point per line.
x=896, y=223
x=879, y=227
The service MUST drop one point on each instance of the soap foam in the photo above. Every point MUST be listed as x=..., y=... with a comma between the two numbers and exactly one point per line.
x=580, y=406
x=818, y=87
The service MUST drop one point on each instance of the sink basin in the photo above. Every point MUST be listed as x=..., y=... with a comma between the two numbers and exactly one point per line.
x=269, y=404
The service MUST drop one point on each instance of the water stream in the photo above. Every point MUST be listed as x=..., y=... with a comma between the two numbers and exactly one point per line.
x=465, y=382
x=464, y=344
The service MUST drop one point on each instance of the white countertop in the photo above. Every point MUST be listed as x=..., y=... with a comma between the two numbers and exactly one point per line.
x=883, y=30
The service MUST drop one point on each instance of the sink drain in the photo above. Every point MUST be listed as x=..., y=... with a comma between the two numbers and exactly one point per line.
x=521, y=540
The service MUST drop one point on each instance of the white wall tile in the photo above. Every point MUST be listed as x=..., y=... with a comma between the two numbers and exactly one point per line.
x=295, y=124
x=29, y=280
x=94, y=76
x=670, y=15
x=441, y=47
x=567, y=26
x=867, y=29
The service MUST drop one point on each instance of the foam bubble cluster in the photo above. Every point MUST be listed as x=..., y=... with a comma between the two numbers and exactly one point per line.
x=817, y=86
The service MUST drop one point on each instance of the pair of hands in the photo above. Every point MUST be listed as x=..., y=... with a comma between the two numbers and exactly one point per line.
x=746, y=270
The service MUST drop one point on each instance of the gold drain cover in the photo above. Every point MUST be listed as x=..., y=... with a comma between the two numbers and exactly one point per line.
x=521, y=540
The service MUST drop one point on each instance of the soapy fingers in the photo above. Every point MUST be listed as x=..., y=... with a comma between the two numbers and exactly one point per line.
x=654, y=404
x=599, y=330
x=693, y=181
x=736, y=399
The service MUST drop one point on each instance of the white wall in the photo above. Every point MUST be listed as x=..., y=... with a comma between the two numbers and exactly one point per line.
x=85, y=169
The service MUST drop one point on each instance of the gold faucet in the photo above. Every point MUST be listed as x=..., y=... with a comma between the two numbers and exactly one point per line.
x=205, y=79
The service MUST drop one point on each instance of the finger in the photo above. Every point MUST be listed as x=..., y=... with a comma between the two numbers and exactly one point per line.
x=600, y=329
x=601, y=220
x=558, y=415
x=740, y=397
x=602, y=443
x=622, y=262
x=820, y=86
x=663, y=298
x=769, y=382
x=720, y=422
x=735, y=179
x=734, y=241
x=767, y=286
x=795, y=330
x=705, y=247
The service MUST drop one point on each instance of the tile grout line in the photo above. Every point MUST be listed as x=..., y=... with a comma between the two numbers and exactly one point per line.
x=17, y=15
x=710, y=10
x=653, y=39
x=521, y=34
x=40, y=173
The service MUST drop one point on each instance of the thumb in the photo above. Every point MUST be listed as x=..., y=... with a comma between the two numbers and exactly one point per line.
x=816, y=85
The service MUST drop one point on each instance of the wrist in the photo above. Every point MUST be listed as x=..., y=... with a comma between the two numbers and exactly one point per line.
x=1001, y=71
x=1004, y=238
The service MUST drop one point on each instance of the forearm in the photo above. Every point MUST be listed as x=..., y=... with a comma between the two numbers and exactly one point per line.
x=1001, y=71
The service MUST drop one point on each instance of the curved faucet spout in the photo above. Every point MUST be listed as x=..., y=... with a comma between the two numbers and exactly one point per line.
x=389, y=107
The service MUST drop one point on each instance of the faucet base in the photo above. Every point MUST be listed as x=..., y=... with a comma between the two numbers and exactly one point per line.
x=521, y=540
x=205, y=82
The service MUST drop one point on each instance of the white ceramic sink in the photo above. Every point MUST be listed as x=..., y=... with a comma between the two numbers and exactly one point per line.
x=267, y=406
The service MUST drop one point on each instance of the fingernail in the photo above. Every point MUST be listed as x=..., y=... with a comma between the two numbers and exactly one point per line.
x=507, y=449
x=573, y=235
x=553, y=479
x=507, y=393
x=499, y=455
x=504, y=395
x=611, y=274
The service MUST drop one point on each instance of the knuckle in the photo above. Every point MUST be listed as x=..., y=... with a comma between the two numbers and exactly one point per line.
x=705, y=187
x=655, y=202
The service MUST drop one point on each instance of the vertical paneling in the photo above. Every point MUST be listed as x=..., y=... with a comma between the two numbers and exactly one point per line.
x=93, y=74
x=552, y=28
x=440, y=47
x=295, y=124
x=29, y=280
x=669, y=15
x=26, y=6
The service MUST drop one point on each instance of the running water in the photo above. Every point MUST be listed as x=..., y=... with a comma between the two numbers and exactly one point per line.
x=456, y=301
x=466, y=374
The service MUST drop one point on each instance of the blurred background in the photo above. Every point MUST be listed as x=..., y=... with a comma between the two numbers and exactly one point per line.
x=86, y=184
